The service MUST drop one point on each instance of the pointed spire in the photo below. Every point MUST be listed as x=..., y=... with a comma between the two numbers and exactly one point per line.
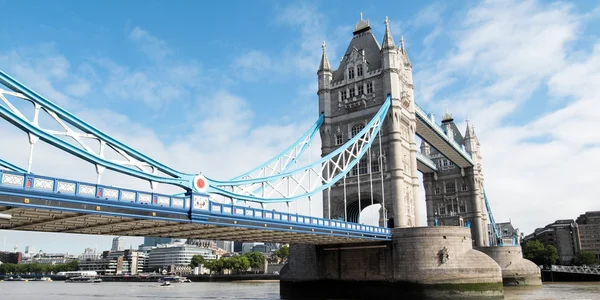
x=403, y=51
x=447, y=117
x=388, y=40
x=362, y=25
x=324, y=66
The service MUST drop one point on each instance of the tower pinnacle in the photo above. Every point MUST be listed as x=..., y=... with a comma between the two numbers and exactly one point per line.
x=324, y=66
x=388, y=40
x=362, y=25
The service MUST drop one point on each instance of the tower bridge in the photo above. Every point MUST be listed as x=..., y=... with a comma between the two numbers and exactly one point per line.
x=368, y=123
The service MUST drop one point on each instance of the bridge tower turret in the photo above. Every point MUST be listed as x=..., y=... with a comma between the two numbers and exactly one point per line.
x=454, y=195
x=349, y=97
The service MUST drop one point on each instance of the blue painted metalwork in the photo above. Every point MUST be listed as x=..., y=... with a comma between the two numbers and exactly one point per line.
x=197, y=205
x=178, y=178
x=304, y=142
x=11, y=167
x=495, y=231
x=427, y=120
x=333, y=158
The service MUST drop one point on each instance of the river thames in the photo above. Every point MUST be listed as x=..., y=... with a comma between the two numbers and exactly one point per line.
x=234, y=290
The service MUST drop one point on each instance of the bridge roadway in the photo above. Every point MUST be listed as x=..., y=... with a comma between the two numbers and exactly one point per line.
x=39, y=203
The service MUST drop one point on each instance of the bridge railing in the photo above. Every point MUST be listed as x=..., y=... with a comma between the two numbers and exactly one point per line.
x=440, y=131
x=576, y=269
x=197, y=203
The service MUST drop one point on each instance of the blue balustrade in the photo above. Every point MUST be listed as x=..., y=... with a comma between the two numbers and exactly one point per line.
x=194, y=203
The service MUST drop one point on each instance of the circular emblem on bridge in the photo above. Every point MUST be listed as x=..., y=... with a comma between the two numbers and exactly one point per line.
x=200, y=183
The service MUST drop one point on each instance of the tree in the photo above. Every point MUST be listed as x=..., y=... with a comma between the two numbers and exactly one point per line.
x=585, y=258
x=256, y=259
x=283, y=253
x=534, y=251
x=197, y=260
x=550, y=255
x=241, y=263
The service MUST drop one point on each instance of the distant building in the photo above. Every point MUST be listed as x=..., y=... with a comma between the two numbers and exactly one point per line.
x=176, y=257
x=150, y=241
x=127, y=262
x=10, y=257
x=225, y=245
x=49, y=258
x=508, y=234
x=589, y=232
x=118, y=244
x=237, y=246
x=563, y=234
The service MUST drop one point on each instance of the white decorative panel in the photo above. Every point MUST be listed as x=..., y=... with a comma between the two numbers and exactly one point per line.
x=111, y=193
x=13, y=179
x=43, y=184
x=200, y=202
x=127, y=196
x=177, y=202
x=87, y=190
x=163, y=201
x=144, y=198
x=66, y=187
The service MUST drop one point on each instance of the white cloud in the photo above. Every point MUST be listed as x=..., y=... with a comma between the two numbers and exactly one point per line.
x=539, y=169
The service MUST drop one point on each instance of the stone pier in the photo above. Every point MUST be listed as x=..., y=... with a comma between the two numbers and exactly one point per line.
x=419, y=263
x=515, y=269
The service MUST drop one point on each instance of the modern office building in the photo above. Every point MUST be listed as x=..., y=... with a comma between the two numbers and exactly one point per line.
x=118, y=244
x=563, y=234
x=589, y=232
x=150, y=241
x=176, y=255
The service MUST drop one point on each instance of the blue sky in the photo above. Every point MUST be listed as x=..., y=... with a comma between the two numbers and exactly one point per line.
x=197, y=83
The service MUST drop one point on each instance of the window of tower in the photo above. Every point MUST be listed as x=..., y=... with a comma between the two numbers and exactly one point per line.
x=437, y=190
x=352, y=92
x=442, y=211
x=351, y=73
x=359, y=71
x=369, y=87
x=339, y=139
x=450, y=187
x=343, y=93
x=464, y=187
x=444, y=162
x=356, y=129
x=360, y=89
x=462, y=209
x=375, y=166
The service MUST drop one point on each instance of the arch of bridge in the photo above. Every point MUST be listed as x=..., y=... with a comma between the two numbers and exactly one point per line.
x=352, y=204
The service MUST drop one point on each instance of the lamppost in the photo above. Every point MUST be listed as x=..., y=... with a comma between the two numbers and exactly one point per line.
x=5, y=217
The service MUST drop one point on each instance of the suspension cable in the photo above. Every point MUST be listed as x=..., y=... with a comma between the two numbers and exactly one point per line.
x=328, y=194
x=345, y=206
x=371, y=182
x=358, y=182
x=309, y=184
x=382, y=185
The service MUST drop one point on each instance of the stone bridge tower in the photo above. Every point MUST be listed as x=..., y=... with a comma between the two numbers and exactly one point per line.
x=349, y=97
x=454, y=196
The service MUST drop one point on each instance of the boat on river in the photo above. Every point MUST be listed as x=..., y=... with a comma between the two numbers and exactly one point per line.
x=84, y=279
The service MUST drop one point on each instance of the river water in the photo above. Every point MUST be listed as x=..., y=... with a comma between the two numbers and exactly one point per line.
x=234, y=290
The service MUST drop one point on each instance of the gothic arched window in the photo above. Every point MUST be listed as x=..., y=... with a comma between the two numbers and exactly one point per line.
x=356, y=128
x=450, y=187
x=359, y=71
x=351, y=73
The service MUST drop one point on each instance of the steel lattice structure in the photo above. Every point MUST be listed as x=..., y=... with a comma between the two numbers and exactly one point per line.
x=271, y=182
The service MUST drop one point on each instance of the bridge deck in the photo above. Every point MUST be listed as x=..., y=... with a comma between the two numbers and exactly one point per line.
x=429, y=131
x=36, y=204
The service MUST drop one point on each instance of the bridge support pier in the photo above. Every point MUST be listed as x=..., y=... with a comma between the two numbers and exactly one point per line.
x=419, y=263
x=516, y=270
